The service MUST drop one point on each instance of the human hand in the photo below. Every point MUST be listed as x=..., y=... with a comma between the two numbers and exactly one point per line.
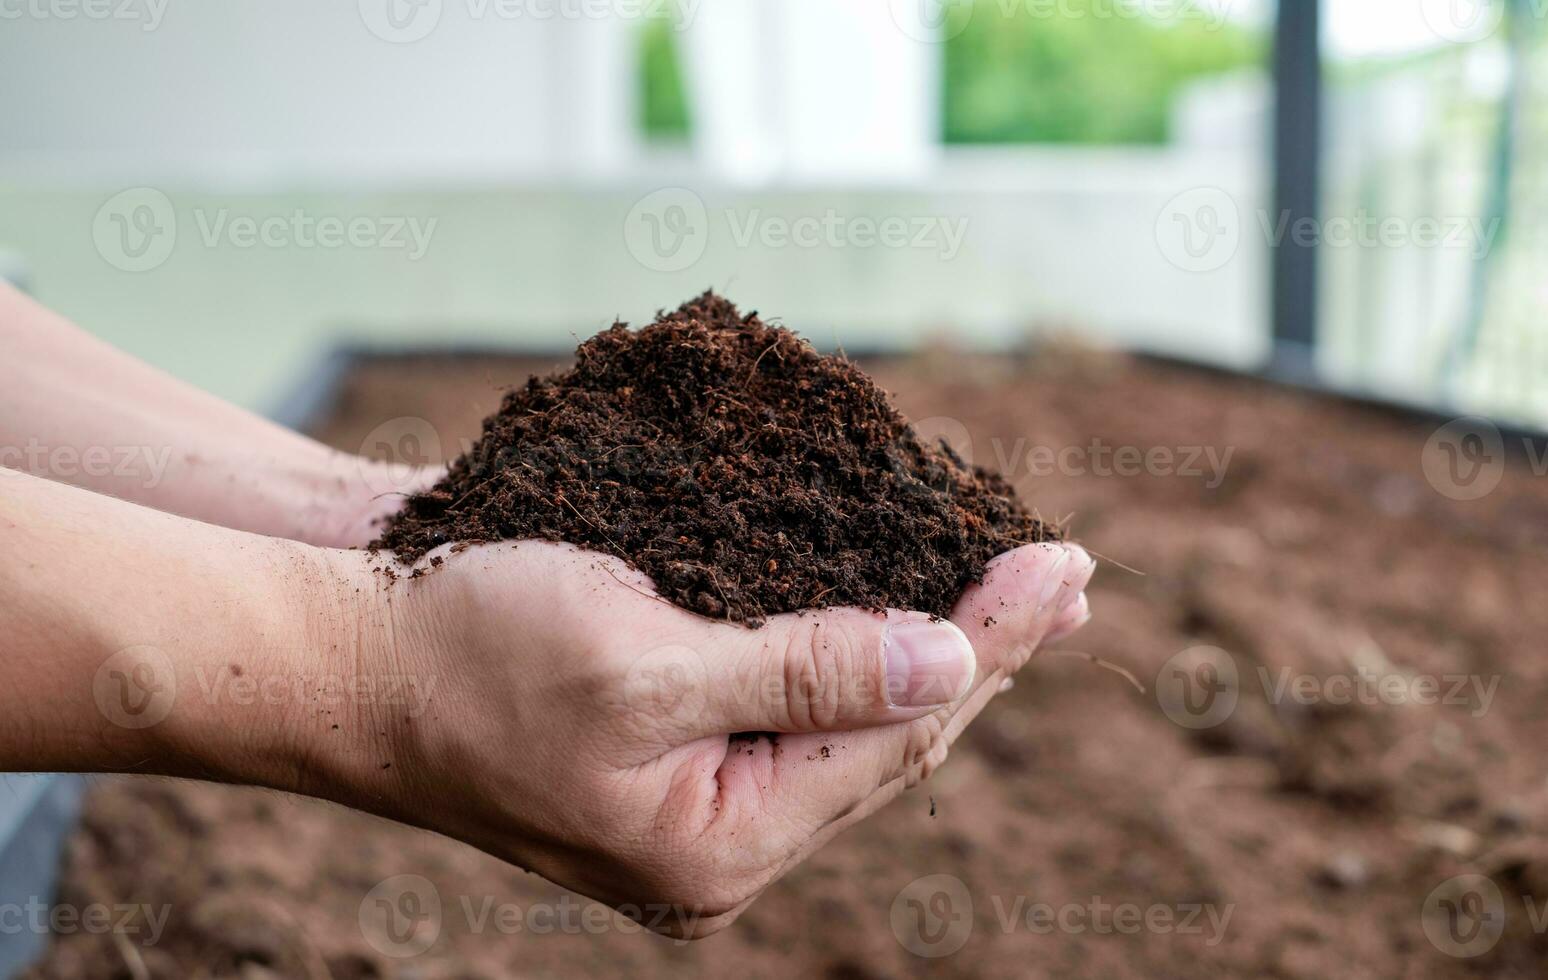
x=531, y=699
x=351, y=502
x=578, y=725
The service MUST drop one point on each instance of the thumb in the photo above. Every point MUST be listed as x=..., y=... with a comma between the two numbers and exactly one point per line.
x=836, y=670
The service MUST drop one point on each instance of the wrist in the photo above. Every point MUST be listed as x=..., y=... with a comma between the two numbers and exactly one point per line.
x=237, y=685
x=335, y=707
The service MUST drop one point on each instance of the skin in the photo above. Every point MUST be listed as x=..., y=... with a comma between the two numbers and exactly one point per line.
x=531, y=699
x=168, y=445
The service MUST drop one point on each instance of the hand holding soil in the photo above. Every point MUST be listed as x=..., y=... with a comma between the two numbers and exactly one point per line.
x=606, y=717
x=585, y=729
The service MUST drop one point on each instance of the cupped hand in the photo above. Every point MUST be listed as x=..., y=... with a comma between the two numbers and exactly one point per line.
x=582, y=727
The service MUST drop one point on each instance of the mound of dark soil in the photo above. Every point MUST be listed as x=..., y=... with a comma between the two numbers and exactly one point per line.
x=747, y=474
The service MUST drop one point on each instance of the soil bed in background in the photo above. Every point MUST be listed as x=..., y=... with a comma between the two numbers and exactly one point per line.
x=1317, y=553
x=744, y=472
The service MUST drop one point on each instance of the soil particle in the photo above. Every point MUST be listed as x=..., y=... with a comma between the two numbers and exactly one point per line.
x=746, y=473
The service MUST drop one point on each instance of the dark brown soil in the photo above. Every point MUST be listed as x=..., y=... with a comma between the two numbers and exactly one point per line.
x=746, y=473
x=1323, y=827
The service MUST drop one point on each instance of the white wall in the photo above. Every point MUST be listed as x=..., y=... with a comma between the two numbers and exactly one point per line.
x=513, y=134
x=1049, y=239
x=810, y=90
x=302, y=90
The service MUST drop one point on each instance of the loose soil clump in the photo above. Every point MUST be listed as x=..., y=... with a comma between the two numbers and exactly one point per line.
x=746, y=473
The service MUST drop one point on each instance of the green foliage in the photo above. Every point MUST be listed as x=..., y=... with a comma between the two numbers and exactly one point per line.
x=663, y=104
x=1027, y=71
x=1079, y=71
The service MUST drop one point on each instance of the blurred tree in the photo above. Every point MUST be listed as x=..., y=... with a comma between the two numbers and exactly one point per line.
x=1081, y=71
x=663, y=99
x=1028, y=71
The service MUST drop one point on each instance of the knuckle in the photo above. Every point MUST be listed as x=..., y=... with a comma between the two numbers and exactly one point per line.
x=1014, y=656
x=925, y=750
x=821, y=669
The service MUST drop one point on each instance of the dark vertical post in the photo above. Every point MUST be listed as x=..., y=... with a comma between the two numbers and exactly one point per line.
x=1297, y=172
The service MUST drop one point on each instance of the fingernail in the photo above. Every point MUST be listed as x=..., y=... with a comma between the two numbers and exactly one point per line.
x=927, y=663
x=1055, y=578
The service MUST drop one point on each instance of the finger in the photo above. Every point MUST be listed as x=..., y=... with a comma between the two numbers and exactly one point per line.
x=832, y=670
x=1023, y=593
x=1076, y=615
x=869, y=803
x=818, y=778
x=961, y=716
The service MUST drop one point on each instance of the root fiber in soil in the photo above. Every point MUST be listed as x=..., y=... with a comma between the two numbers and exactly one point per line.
x=746, y=473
